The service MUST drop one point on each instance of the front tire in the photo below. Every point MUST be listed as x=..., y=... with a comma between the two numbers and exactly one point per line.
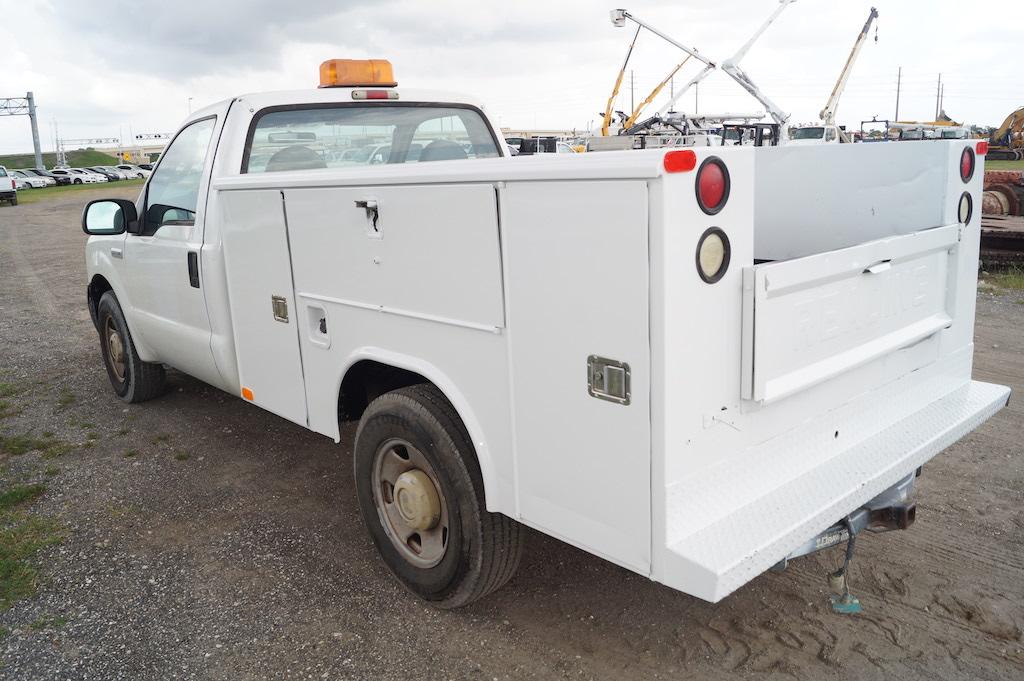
x=421, y=496
x=132, y=379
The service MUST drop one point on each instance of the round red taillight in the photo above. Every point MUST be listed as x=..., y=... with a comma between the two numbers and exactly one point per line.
x=967, y=164
x=712, y=185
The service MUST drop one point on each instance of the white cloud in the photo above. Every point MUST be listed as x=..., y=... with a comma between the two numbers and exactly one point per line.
x=104, y=68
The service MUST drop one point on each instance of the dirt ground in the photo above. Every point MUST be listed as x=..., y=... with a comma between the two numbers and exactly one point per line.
x=208, y=539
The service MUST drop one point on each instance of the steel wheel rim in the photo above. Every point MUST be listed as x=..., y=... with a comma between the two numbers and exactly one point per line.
x=399, y=465
x=115, y=349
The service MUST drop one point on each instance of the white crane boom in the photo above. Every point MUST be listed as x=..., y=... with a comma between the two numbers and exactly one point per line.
x=828, y=114
x=730, y=66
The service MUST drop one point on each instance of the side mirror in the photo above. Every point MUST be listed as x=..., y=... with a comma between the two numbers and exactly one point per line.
x=109, y=217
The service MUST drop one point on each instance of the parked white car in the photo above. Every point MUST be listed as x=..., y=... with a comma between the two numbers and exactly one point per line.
x=79, y=176
x=134, y=171
x=31, y=181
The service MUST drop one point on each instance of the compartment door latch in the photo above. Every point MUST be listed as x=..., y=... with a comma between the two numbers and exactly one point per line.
x=608, y=379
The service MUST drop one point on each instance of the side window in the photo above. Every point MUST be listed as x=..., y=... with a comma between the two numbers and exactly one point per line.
x=173, y=191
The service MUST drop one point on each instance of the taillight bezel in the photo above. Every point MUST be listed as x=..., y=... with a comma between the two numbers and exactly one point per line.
x=713, y=160
x=968, y=152
x=726, y=255
x=970, y=208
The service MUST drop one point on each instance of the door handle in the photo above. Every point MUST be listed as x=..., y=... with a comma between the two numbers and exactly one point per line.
x=372, y=214
x=193, y=269
x=117, y=253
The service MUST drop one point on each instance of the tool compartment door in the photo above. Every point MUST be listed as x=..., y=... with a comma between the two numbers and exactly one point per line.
x=577, y=277
x=810, y=319
x=263, y=311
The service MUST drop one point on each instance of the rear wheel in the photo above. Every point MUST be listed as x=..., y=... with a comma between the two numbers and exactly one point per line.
x=14, y=200
x=132, y=379
x=421, y=497
x=77, y=181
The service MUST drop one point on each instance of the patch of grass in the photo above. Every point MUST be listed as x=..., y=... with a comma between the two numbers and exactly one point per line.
x=162, y=437
x=8, y=389
x=1011, y=278
x=21, y=537
x=51, y=471
x=16, y=445
x=49, y=434
x=7, y=409
x=120, y=511
x=998, y=165
x=36, y=195
x=4, y=633
x=85, y=425
x=182, y=456
x=47, y=622
x=92, y=435
x=66, y=398
x=132, y=453
x=19, y=494
x=56, y=449
x=122, y=431
x=78, y=158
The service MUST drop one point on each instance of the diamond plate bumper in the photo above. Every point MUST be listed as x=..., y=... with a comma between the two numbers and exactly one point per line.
x=786, y=491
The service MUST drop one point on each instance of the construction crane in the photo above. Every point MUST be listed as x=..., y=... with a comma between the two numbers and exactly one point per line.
x=1007, y=141
x=826, y=131
x=730, y=67
x=828, y=114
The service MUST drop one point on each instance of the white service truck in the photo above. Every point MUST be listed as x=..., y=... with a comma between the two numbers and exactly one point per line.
x=694, y=363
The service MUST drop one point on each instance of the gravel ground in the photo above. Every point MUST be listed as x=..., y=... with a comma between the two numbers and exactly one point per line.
x=207, y=539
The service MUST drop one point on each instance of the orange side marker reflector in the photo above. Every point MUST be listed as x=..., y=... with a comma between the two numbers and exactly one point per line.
x=247, y=394
x=982, y=148
x=680, y=161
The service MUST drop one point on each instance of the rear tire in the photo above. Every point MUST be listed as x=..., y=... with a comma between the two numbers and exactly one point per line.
x=472, y=552
x=14, y=201
x=132, y=379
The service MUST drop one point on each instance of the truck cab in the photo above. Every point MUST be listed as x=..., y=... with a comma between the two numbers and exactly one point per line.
x=666, y=357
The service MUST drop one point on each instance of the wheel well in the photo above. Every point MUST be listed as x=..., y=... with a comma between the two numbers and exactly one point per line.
x=97, y=287
x=367, y=380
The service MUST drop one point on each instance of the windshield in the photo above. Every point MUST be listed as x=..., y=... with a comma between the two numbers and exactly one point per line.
x=345, y=135
x=814, y=133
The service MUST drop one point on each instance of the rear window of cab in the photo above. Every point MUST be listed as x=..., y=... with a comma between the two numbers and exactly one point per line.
x=344, y=135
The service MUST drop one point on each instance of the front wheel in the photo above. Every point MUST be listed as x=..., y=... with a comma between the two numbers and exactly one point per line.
x=132, y=379
x=421, y=497
x=77, y=181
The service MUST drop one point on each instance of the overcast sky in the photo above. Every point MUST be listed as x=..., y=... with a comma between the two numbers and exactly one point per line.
x=111, y=67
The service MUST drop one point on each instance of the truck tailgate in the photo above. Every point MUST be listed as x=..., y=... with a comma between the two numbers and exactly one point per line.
x=813, y=318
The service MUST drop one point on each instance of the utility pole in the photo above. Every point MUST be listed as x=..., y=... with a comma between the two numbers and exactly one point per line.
x=24, y=106
x=899, y=77
x=938, y=96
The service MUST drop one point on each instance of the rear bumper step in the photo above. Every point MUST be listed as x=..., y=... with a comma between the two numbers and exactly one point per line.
x=788, y=491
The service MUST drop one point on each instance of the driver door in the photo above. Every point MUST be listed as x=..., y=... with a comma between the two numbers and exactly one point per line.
x=163, y=260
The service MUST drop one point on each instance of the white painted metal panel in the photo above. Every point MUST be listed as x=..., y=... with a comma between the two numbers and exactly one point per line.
x=258, y=267
x=821, y=198
x=811, y=319
x=433, y=254
x=577, y=272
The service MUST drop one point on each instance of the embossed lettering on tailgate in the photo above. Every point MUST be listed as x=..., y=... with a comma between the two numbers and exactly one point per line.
x=809, y=319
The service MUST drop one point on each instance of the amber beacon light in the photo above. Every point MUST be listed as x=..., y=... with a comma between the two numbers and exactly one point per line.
x=357, y=73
